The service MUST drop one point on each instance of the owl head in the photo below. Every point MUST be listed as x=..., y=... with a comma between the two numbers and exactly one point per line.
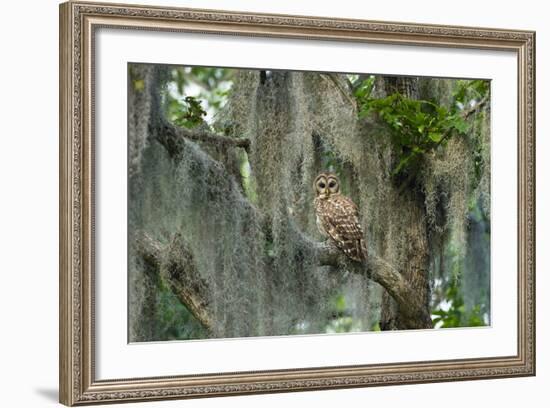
x=326, y=184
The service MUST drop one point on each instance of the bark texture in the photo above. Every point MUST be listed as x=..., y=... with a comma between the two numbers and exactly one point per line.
x=409, y=203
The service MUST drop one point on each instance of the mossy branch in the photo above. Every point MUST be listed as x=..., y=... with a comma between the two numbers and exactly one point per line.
x=382, y=272
x=174, y=264
x=171, y=136
x=334, y=79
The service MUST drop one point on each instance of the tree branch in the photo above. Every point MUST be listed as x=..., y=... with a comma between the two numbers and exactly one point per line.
x=333, y=78
x=383, y=273
x=465, y=115
x=175, y=265
x=169, y=135
x=483, y=101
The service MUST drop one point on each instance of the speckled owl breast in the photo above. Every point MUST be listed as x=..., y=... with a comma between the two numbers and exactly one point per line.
x=337, y=217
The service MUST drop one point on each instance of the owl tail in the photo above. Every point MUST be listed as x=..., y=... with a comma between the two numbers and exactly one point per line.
x=363, y=250
x=358, y=251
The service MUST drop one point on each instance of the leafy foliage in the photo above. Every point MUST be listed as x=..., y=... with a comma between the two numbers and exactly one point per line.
x=212, y=84
x=188, y=113
x=417, y=126
x=196, y=94
x=467, y=92
x=455, y=313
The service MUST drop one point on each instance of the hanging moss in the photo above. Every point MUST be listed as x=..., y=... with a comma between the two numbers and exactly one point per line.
x=244, y=214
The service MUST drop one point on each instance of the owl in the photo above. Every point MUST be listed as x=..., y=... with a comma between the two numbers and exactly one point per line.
x=338, y=217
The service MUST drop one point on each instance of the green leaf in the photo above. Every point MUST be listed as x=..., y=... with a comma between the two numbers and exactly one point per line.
x=460, y=125
x=435, y=136
x=418, y=126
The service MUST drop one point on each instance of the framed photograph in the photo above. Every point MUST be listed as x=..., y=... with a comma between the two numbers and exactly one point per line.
x=256, y=203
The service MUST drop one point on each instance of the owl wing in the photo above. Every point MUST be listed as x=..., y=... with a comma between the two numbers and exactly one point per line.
x=343, y=226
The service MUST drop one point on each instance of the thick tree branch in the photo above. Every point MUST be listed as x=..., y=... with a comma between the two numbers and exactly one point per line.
x=334, y=79
x=170, y=136
x=382, y=273
x=174, y=264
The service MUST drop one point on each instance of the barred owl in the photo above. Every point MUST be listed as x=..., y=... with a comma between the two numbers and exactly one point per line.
x=338, y=217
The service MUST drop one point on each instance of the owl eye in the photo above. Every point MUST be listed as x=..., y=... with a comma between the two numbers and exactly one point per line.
x=321, y=185
x=331, y=184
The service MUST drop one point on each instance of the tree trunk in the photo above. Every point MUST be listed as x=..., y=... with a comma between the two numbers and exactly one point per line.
x=409, y=204
x=415, y=270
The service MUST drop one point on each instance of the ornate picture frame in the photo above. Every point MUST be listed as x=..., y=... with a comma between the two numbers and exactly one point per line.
x=78, y=24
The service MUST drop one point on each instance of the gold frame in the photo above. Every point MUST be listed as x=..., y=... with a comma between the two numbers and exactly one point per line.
x=78, y=22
